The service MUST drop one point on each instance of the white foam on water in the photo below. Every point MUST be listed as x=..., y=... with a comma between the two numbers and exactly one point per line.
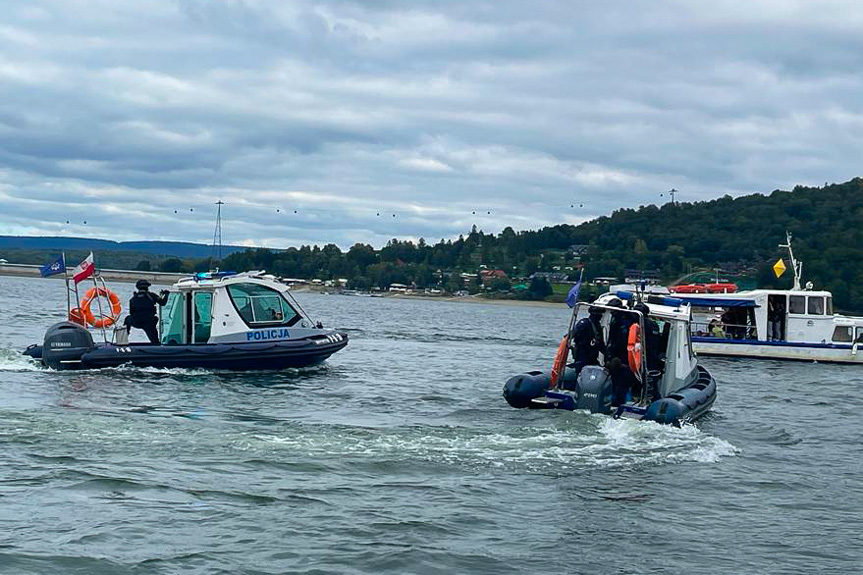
x=14, y=360
x=159, y=370
x=604, y=442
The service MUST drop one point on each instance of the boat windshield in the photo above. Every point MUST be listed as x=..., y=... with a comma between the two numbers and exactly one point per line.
x=261, y=306
x=171, y=323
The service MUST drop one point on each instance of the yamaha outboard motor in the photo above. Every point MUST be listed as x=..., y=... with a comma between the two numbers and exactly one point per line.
x=594, y=389
x=65, y=343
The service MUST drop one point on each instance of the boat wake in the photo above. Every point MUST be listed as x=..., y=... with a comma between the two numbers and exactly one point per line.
x=599, y=442
x=12, y=360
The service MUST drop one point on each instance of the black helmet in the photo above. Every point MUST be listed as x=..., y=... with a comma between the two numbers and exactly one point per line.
x=614, y=302
x=642, y=307
x=595, y=310
x=142, y=284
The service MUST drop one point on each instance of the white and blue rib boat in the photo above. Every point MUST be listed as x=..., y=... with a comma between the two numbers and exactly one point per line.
x=214, y=320
x=679, y=391
x=793, y=324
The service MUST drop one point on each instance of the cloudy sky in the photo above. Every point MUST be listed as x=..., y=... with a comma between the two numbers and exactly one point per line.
x=384, y=119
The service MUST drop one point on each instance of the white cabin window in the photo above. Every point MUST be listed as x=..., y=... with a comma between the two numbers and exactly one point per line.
x=797, y=304
x=261, y=306
x=816, y=305
x=843, y=334
x=829, y=306
x=859, y=335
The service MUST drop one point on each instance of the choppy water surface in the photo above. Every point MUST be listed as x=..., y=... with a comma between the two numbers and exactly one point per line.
x=399, y=455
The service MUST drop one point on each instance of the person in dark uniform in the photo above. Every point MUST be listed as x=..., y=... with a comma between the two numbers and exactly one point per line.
x=587, y=340
x=142, y=310
x=652, y=347
x=623, y=380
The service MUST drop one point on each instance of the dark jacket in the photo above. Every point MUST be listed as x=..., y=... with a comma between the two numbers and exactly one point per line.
x=618, y=336
x=587, y=342
x=142, y=306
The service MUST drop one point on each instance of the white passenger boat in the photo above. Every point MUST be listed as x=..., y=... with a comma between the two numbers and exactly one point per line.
x=795, y=324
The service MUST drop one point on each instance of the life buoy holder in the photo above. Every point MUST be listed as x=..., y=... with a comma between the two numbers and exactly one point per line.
x=635, y=350
x=559, y=365
x=104, y=319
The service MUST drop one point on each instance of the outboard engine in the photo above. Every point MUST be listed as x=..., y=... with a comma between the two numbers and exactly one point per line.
x=593, y=389
x=64, y=344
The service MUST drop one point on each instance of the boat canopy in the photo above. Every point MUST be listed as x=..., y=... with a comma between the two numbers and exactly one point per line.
x=715, y=302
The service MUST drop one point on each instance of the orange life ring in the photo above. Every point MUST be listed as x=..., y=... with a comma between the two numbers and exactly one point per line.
x=104, y=320
x=559, y=364
x=634, y=348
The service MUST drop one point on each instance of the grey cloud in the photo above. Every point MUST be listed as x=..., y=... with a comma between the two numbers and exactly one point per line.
x=433, y=111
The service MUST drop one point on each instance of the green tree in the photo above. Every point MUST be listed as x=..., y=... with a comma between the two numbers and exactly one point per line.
x=172, y=265
x=539, y=288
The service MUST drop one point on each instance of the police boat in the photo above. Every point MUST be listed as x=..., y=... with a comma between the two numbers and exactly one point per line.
x=214, y=320
x=663, y=384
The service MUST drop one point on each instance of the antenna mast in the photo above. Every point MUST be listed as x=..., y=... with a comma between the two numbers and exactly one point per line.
x=217, y=234
x=796, y=267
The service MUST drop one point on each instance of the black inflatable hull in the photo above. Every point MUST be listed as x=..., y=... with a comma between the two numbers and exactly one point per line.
x=532, y=390
x=242, y=356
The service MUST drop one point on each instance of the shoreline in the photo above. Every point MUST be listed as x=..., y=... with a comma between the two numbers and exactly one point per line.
x=164, y=278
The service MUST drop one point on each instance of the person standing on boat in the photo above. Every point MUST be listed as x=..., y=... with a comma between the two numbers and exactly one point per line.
x=622, y=378
x=588, y=340
x=142, y=310
x=652, y=347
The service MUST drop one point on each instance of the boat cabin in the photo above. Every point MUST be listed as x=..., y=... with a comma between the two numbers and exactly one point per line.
x=224, y=307
x=798, y=316
x=673, y=317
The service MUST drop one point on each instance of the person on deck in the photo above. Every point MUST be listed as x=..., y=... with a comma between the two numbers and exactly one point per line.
x=652, y=347
x=142, y=310
x=623, y=380
x=587, y=340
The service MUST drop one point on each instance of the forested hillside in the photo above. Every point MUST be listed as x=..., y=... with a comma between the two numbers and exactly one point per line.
x=827, y=224
x=729, y=233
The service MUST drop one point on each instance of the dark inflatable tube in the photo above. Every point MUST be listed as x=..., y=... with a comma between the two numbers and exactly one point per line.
x=520, y=390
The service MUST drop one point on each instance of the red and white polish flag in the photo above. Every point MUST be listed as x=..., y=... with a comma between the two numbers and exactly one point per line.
x=84, y=270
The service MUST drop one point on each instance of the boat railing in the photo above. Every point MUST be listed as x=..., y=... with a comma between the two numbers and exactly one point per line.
x=725, y=330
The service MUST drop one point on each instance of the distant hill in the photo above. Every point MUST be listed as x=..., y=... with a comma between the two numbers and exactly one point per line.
x=187, y=250
x=739, y=235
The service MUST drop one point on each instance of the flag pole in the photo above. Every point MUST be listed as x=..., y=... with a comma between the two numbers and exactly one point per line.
x=99, y=304
x=68, y=295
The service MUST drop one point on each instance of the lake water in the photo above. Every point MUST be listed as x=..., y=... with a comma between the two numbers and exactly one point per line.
x=399, y=455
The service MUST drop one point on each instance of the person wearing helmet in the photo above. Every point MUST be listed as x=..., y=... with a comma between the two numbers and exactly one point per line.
x=142, y=310
x=587, y=340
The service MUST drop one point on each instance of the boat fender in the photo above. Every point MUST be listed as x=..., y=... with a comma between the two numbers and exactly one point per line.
x=559, y=365
x=64, y=344
x=666, y=410
x=521, y=389
x=634, y=348
x=593, y=389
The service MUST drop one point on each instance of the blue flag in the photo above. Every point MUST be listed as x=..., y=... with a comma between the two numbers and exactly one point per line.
x=58, y=266
x=572, y=297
